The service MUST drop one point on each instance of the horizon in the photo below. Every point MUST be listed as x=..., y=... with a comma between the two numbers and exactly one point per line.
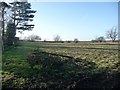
x=82, y=20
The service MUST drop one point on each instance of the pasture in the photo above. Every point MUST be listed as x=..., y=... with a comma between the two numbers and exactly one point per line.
x=61, y=65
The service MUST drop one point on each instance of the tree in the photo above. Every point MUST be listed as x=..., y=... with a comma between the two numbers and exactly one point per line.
x=22, y=15
x=76, y=40
x=57, y=38
x=3, y=11
x=112, y=34
x=33, y=37
x=10, y=34
x=100, y=39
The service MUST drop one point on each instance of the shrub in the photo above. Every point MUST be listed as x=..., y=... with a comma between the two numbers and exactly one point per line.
x=76, y=40
x=68, y=41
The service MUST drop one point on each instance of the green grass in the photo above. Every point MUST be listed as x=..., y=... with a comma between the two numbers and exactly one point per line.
x=14, y=63
x=16, y=71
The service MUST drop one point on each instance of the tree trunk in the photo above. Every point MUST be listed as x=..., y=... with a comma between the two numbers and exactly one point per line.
x=3, y=25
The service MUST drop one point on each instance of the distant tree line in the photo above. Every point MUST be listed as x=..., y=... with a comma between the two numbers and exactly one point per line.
x=110, y=34
x=57, y=38
x=32, y=38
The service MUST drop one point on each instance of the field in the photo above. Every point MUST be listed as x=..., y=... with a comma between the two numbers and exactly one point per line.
x=61, y=65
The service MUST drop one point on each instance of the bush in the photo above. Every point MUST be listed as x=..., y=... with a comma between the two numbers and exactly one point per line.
x=76, y=40
x=68, y=41
x=16, y=39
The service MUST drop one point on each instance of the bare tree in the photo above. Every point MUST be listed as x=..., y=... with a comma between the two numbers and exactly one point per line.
x=112, y=34
x=57, y=38
x=33, y=37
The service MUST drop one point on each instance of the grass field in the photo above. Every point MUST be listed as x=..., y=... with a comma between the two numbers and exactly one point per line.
x=61, y=65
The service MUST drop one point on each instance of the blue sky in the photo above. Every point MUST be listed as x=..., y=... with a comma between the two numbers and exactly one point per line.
x=82, y=20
